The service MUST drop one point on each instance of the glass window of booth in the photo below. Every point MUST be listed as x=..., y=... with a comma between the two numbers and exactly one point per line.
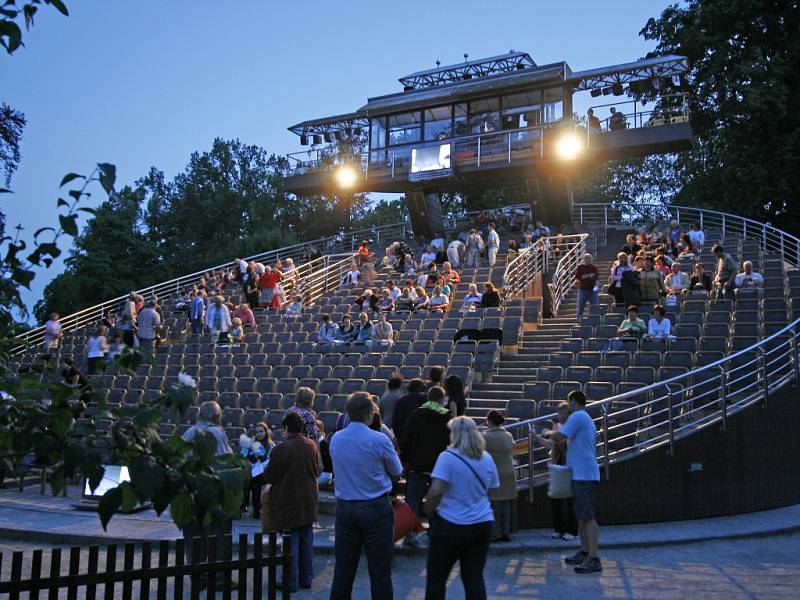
x=484, y=115
x=404, y=128
x=377, y=133
x=522, y=110
x=438, y=123
x=553, y=102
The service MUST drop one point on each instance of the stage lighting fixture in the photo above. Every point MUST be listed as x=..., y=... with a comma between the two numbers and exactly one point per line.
x=346, y=176
x=328, y=137
x=304, y=140
x=520, y=66
x=596, y=92
x=607, y=91
x=617, y=89
x=317, y=139
x=568, y=146
x=338, y=135
x=467, y=75
x=408, y=88
x=357, y=131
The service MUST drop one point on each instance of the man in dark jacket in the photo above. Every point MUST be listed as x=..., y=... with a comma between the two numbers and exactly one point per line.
x=411, y=401
x=293, y=468
x=425, y=436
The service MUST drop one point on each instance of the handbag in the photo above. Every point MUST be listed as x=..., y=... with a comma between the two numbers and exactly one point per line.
x=560, y=485
x=265, y=296
x=405, y=521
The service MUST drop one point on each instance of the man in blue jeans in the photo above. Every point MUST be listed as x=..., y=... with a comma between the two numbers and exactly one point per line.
x=582, y=459
x=586, y=275
x=365, y=464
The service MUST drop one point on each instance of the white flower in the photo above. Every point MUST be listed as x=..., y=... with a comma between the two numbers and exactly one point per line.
x=187, y=380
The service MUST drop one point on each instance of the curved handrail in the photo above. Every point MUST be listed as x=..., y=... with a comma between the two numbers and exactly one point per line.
x=564, y=274
x=659, y=414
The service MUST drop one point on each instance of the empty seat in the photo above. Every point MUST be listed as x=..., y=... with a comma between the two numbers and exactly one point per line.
x=647, y=359
x=573, y=345
x=549, y=374
x=376, y=387
x=645, y=375
x=609, y=374
x=232, y=417
x=598, y=390
x=561, y=389
x=589, y=359
x=618, y=359
x=329, y=420
x=683, y=344
x=579, y=374
x=561, y=359
x=536, y=390
x=521, y=409
x=352, y=385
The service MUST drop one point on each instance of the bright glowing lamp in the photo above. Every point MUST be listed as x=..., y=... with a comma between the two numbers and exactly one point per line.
x=568, y=146
x=346, y=176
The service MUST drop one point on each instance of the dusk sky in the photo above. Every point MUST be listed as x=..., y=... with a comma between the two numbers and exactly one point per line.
x=146, y=83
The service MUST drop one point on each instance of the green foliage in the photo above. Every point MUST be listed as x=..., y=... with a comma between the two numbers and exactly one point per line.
x=12, y=122
x=11, y=17
x=744, y=57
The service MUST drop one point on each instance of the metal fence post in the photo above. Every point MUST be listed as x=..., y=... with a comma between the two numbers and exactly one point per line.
x=796, y=359
x=479, y=152
x=670, y=422
x=606, y=460
x=605, y=215
x=723, y=397
x=530, y=464
x=764, y=380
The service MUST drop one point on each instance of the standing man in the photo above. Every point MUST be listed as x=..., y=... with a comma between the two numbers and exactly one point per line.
x=414, y=398
x=586, y=275
x=149, y=320
x=582, y=459
x=425, y=436
x=52, y=333
x=197, y=311
x=492, y=244
x=726, y=272
x=293, y=468
x=455, y=250
x=365, y=463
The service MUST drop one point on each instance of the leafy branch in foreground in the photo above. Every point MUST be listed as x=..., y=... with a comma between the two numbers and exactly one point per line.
x=48, y=426
x=12, y=18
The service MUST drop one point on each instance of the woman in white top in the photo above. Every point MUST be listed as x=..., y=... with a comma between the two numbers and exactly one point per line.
x=461, y=514
x=353, y=276
x=617, y=269
x=472, y=299
x=96, y=348
x=658, y=326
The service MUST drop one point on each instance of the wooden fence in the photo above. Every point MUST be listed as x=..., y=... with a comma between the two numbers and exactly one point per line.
x=153, y=570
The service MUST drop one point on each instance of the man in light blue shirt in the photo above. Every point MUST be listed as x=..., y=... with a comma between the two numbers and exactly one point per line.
x=365, y=464
x=581, y=434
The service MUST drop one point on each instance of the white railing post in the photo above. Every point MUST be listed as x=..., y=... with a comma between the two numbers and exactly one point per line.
x=530, y=464
x=606, y=459
x=670, y=421
x=723, y=397
x=479, y=152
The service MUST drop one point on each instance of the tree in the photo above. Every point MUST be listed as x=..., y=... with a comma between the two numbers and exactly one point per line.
x=744, y=57
x=12, y=17
x=12, y=122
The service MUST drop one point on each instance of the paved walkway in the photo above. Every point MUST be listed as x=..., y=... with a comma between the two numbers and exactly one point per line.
x=33, y=517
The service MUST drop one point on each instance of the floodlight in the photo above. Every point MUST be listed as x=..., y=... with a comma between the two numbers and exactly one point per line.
x=467, y=75
x=596, y=92
x=304, y=140
x=568, y=146
x=520, y=66
x=317, y=139
x=346, y=176
x=617, y=89
x=607, y=91
x=408, y=88
x=328, y=137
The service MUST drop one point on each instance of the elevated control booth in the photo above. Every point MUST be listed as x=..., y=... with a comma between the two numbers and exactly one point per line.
x=483, y=122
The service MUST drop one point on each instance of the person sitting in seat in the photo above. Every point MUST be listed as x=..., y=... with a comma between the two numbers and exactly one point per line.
x=404, y=301
x=439, y=302
x=328, y=332
x=659, y=327
x=294, y=309
x=385, y=303
x=394, y=291
x=491, y=297
x=363, y=329
x=236, y=332
x=677, y=281
x=472, y=300
x=632, y=326
x=353, y=277
x=631, y=248
x=428, y=257
x=347, y=331
x=244, y=313
x=449, y=274
x=421, y=303
x=447, y=289
x=748, y=278
x=367, y=301
x=700, y=279
x=382, y=333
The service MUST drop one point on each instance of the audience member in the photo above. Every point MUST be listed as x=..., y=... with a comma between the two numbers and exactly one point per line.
x=472, y=300
x=267, y=283
x=387, y=402
x=616, y=122
x=726, y=272
x=425, y=435
x=366, y=464
x=581, y=434
x=250, y=285
x=96, y=348
x=455, y=400
x=697, y=236
x=490, y=297
x=660, y=264
x=394, y=291
x=540, y=230
x=292, y=474
x=460, y=511
x=435, y=376
x=147, y=323
x=632, y=326
x=631, y=248
x=512, y=252
x=427, y=259
x=257, y=450
x=413, y=399
x=236, y=332
x=363, y=329
x=455, y=253
x=368, y=274
x=353, y=277
x=748, y=278
x=450, y=275
x=367, y=301
x=294, y=309
x=677, y=281
x=500, y=446
x=700, y=279
x=659, y=327
x=651, y=283
x=621, y=265
x=382, y=334
x=586, y=275
x=363, y=254
x=385, y=302
x=475, y=246
x=218, y=318
x=347, y=331
x=197, y=312
x=245, y=315
x=304, y=406
x=593, y=121
x=421, y=303
x=492, y=244
x=328, y=332
x=439, y=302
x=404, y=302
x=73, y=377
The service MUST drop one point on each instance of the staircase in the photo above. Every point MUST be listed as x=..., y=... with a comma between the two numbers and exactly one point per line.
x=514, y=369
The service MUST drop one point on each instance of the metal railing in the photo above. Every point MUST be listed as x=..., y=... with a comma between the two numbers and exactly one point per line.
x=660, y=414
x=563, y=280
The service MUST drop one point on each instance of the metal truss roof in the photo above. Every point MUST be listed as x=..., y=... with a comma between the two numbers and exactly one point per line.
x=346, y=122
x=468, y=69
x=662, y=66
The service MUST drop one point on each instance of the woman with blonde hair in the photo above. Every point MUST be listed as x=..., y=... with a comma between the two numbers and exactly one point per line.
x=461, y=514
